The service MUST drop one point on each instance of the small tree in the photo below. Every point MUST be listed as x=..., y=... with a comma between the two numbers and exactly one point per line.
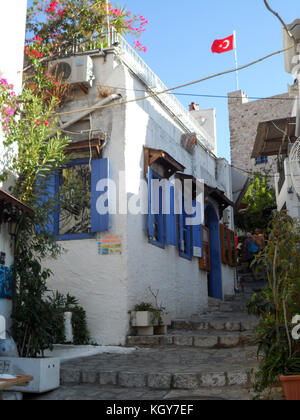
x=35, y=149
x=279, y=302
x=260, y=199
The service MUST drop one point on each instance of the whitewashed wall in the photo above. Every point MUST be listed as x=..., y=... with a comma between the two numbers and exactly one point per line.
x=12, y=35
x=109, y=286
x=287, y=196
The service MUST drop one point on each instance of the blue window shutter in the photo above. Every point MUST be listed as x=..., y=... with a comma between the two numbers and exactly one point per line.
x=181, y=244
x=197, y=235
x=150, y=215
x=49, y=189
x=171, y=234
x=100, y=171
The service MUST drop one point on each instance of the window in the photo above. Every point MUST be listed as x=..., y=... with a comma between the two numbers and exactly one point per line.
x=185, y=237
x=78, y=191
x=204, y=262
x=155, y=211
x=261, y=160
x=190, y=236
x=74, y=216
x=162, y=229
x=228, y=246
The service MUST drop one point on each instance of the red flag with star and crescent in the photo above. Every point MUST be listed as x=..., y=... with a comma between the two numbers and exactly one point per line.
x=223, y=45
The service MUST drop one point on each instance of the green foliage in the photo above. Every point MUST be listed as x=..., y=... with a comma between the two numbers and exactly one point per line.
x=156, y=312
x=259, y=197
x=65, y=22
x=39, y=315
x=278, y=303
x=35, y=150
x=61, y=304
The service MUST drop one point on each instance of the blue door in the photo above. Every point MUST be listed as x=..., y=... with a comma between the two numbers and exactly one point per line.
x=215, y=274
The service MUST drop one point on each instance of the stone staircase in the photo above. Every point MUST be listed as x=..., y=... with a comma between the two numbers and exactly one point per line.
x=210, y=351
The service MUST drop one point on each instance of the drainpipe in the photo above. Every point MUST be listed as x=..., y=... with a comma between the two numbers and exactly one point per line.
x=84, y=112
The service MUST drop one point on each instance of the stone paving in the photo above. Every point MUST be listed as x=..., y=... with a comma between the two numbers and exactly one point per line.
x=176, y=366
x=109, y=393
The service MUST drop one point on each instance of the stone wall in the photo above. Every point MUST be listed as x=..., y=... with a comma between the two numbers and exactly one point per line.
x=244, y=117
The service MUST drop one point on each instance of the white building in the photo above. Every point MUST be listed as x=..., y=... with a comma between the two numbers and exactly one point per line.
x=277, y=137
x=110, y=262
x=12, y=35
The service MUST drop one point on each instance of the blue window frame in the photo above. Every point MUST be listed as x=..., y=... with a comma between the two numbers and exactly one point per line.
x=190, y=236
x=78, y=190
x=261, y=160
x=156, y=220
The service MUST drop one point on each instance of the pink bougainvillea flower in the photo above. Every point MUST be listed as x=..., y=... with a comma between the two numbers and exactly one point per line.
x=52, y=6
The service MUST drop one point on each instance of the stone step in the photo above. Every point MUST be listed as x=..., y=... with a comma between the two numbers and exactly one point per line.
x=164, y=369
x=212, y=340
x=114, y=393
x=217, y=322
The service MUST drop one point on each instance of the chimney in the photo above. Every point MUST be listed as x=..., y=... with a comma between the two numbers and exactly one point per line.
x=194, y=107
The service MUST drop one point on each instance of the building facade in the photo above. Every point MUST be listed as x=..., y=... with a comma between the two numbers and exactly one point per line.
x=12, y=32
x=244, y=118
x=114, y=261
x=287, y=180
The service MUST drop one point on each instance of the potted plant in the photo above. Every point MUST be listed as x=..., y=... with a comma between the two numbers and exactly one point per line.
x=276, y=306
x=149, y=319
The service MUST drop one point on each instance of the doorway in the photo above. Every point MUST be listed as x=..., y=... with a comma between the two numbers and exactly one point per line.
x=215, y=289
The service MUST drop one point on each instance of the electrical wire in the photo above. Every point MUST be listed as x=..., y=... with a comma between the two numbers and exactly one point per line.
x=207, y=95
x=155, y=94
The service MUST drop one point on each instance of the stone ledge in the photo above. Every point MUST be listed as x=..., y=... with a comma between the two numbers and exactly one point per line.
x=157, y=381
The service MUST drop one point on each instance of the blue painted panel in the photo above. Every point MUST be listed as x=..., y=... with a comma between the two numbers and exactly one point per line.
x=150, y=215
x=171, y=233
x=100, y=171
x=197, y=232
x=5, y=282
x=215, y=275
x=49, y=190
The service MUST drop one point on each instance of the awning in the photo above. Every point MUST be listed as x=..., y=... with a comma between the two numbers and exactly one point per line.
x=219, y=196
x=154, y=156
x=273, y=137
x=7, y=201
x=240, y=184
x=209, y=192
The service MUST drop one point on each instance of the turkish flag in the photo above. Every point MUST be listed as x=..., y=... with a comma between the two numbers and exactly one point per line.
x=223, y=45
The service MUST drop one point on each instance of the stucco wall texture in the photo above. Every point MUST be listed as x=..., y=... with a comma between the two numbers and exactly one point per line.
x=109, y=286
x=244, y=117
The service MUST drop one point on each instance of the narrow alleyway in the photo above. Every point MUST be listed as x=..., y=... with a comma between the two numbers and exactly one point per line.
x=211, y=356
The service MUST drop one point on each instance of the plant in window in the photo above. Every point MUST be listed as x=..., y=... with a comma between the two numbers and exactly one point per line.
x=75, y=199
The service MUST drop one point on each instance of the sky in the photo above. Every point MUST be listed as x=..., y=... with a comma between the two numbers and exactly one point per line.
x=179, y=37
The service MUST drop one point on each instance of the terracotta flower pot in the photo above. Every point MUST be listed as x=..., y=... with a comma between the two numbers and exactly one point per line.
x=291, y=387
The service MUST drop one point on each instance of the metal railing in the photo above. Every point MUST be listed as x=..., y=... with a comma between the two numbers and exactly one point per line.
x=133, y=60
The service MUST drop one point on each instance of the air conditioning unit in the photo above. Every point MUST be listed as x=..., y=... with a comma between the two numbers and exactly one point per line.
x=290, y=57
x=73, y=70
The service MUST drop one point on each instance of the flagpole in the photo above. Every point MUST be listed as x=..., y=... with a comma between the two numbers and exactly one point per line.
x=236, y=60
